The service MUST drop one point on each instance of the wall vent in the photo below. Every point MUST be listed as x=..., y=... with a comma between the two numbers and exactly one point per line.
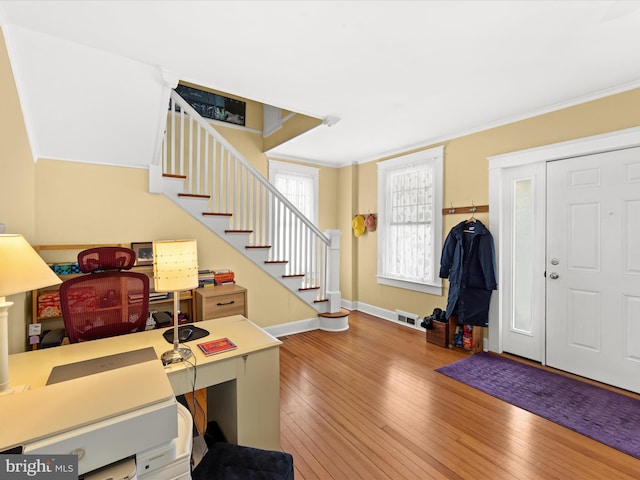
x=411, y=319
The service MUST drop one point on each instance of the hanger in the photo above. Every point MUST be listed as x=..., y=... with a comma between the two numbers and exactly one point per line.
x=471, y=219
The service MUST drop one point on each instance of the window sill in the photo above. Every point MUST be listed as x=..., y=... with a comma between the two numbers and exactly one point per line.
x=431, y=289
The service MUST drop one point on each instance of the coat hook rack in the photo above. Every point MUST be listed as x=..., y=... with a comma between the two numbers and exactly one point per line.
x=467, y=209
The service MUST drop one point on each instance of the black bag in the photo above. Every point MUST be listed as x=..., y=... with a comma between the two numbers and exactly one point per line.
x=438, y=315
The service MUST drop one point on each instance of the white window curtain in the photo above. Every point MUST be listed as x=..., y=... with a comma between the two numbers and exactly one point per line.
x=410, y=221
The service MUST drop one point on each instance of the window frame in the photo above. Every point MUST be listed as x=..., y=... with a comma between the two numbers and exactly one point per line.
x=277, y=167
x=434, y=157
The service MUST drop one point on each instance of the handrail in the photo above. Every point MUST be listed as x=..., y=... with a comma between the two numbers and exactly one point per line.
x=175, y=97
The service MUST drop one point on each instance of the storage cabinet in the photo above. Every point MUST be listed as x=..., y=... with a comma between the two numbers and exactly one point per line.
x=46, y=305
x=221, y=301
x=476, y=339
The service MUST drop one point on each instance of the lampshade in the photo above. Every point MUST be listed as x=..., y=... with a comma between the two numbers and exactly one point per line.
x=175, y=265
x=21, y=268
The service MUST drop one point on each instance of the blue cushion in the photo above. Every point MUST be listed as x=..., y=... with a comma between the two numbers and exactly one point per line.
x=226, y=461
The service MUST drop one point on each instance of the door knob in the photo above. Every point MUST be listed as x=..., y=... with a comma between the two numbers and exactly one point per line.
x=554, y=276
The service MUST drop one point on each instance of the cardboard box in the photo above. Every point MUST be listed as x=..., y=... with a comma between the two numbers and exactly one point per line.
x=439, y=335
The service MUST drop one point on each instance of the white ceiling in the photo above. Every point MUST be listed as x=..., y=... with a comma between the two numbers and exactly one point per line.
x=397, y=74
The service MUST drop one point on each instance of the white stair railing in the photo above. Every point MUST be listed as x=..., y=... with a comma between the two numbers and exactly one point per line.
x=214, y=170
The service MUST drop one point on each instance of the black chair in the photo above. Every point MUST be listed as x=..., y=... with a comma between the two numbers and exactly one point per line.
x=226, y=461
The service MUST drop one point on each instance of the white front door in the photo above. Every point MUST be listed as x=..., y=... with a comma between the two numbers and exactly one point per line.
x=593, y=267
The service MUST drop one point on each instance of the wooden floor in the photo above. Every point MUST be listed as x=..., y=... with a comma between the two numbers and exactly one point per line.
x=367, y=404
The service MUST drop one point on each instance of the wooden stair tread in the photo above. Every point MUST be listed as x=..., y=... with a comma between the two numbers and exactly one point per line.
x=217, y=214
x=173, y=175
x=194, y=195
x=342, y=313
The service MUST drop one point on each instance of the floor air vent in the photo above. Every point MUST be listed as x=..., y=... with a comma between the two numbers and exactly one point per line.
x=408, y=318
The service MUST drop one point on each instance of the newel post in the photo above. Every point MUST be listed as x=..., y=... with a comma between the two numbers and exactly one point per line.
x=169, y=82
x=333, y=271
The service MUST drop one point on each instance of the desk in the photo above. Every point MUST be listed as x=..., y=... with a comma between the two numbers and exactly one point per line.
x=243, y=384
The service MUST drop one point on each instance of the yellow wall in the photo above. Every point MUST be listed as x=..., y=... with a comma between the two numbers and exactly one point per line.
x=17, y=194
x=343, y=190
x=466, y=180
x=294, y=126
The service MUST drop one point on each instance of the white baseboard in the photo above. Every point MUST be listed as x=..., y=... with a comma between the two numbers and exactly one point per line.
x=309, y=324
x=292, y=328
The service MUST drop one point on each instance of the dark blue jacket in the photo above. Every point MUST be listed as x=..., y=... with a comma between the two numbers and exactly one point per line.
x=468, y=261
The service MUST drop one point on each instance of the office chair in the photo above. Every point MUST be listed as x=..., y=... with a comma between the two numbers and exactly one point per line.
x=107, y=301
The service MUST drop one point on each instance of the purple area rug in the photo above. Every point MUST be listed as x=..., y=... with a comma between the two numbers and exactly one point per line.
x=608, y=417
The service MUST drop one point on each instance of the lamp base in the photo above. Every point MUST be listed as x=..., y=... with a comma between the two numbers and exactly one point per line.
x=15, y=389
x=176, y=355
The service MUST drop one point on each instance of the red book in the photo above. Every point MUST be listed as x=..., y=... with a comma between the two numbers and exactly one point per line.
x=224, y=277
x=217, y=346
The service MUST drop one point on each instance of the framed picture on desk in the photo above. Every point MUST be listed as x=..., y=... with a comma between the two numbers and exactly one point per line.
x=144, y=253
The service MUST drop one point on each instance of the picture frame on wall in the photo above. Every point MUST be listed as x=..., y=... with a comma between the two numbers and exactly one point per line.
x=144, y=253
x=213, y=106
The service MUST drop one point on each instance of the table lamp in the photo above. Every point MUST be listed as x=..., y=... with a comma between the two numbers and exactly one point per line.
x=21, y=270
x=175, y=268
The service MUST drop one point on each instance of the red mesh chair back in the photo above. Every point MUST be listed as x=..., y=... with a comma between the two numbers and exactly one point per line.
x=107, y=301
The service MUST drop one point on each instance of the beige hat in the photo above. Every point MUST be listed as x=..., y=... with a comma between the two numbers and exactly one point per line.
x=358, y=225
x=370, y=222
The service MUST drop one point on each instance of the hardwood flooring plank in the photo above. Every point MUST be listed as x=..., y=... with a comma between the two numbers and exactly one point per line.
x=367, y=404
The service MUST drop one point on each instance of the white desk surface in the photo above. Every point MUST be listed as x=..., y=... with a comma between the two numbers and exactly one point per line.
x=41, y=412
x=33, y=368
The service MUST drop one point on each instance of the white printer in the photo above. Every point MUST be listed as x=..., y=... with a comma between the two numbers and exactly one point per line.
x=127, y=414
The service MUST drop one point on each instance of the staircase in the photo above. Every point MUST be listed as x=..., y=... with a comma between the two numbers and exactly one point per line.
x=201, y=172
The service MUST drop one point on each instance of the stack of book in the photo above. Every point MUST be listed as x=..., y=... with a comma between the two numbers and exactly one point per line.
x=223, y=277
x=155, y=296
x=205, y=278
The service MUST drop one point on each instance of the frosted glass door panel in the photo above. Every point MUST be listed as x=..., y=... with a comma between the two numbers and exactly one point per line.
x=522, y=251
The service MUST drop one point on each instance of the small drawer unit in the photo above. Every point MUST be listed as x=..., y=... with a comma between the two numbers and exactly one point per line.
x=221, y=301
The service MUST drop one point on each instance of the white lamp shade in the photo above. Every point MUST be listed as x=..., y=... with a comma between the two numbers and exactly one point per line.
x=21, y=268
x=175, y=265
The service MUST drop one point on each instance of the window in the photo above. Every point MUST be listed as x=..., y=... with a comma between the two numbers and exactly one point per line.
x=299, y=184
x=410, y=221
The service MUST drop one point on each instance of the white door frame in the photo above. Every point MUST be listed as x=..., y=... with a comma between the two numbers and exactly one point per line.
x=497, y=197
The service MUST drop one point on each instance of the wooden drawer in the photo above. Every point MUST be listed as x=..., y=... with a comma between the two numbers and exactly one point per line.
x=221, y=301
